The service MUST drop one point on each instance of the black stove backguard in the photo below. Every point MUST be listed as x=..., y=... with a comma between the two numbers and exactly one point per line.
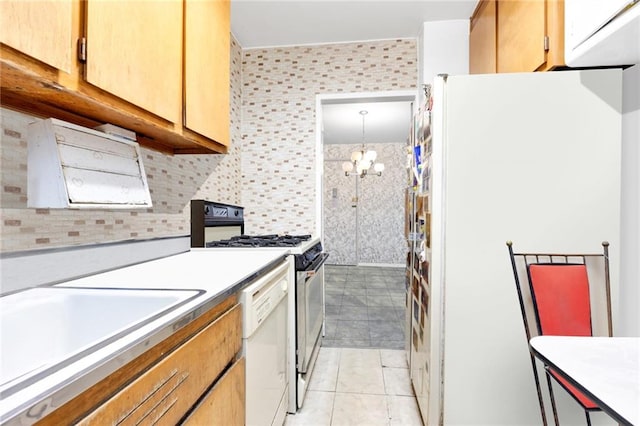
x=208, y=214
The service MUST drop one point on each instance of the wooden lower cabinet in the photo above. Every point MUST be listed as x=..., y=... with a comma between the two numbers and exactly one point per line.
x=200, y=378
x=224, y=404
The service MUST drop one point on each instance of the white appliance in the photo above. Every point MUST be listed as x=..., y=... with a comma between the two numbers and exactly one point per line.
x=599, y=33
x=265, y=346
x=533, y=158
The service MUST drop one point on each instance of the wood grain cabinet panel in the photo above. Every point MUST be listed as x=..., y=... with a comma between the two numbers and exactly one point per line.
x=224, y=404
x=516, y=36
x=135, y=73
x=134, y=51
x=521, y=32
x=168, y=390
x=207, y=68
x=482, y=39
x=90, y=400
x=555, y=34
x=40, y=29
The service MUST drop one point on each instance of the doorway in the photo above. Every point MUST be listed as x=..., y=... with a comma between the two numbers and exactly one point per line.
x=362, y=217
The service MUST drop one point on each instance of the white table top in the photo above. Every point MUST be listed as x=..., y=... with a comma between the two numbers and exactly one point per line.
x=605, y=368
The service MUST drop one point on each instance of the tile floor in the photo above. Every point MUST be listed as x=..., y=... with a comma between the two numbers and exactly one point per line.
x=365, y=307
x=352, y=386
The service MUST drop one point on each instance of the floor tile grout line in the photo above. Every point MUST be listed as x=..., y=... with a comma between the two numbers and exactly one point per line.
x=333, y=404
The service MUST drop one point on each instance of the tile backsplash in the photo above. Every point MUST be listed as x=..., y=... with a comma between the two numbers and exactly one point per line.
x=273, y=94
x=173, y=181
x=279, y=88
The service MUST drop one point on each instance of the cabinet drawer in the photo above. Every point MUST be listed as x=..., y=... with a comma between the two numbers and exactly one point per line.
x=166, y=392
x=224, y=403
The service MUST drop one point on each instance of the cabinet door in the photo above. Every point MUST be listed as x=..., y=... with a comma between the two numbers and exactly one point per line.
x=40, y=29
x=207, y=62
x=555, y=32
x=224, y=404
x=134, y=51
x=170, y=388
x=482, y=39
x=521, y=32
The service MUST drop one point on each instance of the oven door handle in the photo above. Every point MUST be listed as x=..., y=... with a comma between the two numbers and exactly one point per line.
x=313, y=268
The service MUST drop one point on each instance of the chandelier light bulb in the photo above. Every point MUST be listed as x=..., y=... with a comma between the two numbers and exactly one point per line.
x=378, y=167
x=347, y=167
x=371, y=156
x=356, y=156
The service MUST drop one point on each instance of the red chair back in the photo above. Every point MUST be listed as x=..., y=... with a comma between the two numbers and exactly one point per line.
x=561, y=300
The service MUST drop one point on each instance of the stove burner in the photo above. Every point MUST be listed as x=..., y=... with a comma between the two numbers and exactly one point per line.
x=272, y=240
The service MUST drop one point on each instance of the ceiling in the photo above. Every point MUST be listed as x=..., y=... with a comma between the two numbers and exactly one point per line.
x=268, y=23
x=385, y=122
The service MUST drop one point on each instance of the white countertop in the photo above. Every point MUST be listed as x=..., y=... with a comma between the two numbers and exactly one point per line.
x=606, y=367
x=212, y=270
x=216, y=271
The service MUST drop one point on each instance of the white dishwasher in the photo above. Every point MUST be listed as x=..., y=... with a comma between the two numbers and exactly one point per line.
x=265, y=342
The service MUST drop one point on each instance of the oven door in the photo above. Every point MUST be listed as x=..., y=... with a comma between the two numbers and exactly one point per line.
x=309, y=307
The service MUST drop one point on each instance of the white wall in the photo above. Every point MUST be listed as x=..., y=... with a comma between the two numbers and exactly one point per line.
x=443, y=48
x=628, y=318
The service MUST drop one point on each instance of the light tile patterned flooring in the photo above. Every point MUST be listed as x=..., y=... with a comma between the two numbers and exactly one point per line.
x=365, y=307
x=352, y=386
x=361, y=376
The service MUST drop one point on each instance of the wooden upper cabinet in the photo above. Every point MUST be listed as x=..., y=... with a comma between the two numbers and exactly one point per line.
x=134, y=51
x=482, y=39
x=521, y=32
x=136, y=73
x=207, y=68
x=555, y=34
x=40, y=29
x=530, y=35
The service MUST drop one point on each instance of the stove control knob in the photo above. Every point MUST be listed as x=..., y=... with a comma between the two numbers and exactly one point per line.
x=236, y=213
x=206, y=210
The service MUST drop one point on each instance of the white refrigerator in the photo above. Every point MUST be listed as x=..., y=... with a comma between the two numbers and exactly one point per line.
x=533, y=158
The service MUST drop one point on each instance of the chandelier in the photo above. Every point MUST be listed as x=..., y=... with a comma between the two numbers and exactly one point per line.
x=362, y=160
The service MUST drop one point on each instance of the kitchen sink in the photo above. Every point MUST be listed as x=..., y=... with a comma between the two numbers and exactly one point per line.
x=46, y=328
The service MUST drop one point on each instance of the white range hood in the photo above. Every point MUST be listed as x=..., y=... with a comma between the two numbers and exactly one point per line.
x=71, y=166
x=602, y=33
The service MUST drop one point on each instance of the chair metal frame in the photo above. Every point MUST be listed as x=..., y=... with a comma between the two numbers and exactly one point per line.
x=527, y=259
